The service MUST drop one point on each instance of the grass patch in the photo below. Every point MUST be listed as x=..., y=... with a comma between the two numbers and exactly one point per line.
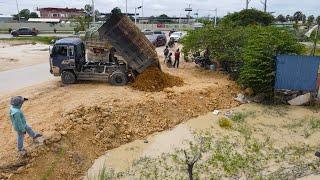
x=224, y=158
x=276, y=110
x=240, y=117
x=225, y=123
x=244, y=130
x=33, y=39
x=314, y=122
x=298, y=123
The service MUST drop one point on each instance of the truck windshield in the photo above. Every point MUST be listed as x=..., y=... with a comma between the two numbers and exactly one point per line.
x=60, y=50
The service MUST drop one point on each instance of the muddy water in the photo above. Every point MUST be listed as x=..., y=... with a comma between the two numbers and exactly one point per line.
x=16, y=79
x=121, y=158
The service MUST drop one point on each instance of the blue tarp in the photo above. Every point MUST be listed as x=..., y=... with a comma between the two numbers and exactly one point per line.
x=297, y=72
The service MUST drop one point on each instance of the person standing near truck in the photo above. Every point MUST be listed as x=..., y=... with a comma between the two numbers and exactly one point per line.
x=166, y=52
x=176, y=58
x=19, y=123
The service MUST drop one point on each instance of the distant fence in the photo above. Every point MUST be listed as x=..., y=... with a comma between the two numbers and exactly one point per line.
x=48, y=27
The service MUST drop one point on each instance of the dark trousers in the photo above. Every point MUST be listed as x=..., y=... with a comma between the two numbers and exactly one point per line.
x=176, y=62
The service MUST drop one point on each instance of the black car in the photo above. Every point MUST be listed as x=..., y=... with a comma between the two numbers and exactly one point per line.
x=157, y=40
x=24, y=32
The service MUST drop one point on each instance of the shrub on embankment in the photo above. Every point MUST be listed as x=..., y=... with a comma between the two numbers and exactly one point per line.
x=246, y=49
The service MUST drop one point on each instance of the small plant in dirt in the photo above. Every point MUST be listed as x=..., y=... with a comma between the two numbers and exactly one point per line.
x=314, y=122
x=241, y=116
x=244, y=130
x=225, y=123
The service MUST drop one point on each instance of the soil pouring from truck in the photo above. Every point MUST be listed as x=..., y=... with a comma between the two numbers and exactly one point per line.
x=68, y=56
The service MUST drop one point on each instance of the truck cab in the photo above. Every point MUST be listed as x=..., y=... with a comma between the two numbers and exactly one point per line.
x=68, y=60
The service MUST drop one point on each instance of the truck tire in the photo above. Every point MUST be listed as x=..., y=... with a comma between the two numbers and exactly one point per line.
x=68, y=77
x=118, y=78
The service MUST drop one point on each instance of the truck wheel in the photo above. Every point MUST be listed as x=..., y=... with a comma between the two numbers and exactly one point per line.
x=118, y=78
x=68, y=77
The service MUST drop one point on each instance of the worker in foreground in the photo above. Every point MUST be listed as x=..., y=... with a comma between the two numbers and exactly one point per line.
x=19, y=123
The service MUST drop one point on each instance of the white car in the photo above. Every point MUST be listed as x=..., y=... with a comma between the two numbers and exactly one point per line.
x=176, y=36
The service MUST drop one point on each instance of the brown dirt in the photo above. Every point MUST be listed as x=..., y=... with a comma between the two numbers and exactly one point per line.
x=82, y=121
x=154, y=80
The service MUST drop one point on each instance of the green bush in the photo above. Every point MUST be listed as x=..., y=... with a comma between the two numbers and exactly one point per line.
x=223, y=43
x=248, y=17
x=259, y=54
x=225, y=123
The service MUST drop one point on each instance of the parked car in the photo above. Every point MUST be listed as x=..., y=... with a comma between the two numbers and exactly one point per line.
x=161, y=33
x=146, y=31
x=176, y=36
x=156, y=39
x=172, y=31
x=24, y=32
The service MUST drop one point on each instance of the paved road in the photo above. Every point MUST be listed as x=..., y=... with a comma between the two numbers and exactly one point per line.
x=16, y=79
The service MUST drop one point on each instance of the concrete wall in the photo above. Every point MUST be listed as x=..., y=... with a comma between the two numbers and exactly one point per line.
x=47, y=27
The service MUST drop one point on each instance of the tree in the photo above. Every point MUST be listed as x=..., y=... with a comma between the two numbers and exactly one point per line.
x=248, y=17
x=310, y=21
x=304, y=19
x=88, y=9
x=288, y=18
x=318, y=20
x=163, y=18
x=281, y=18
x=259, y=54
x=25, y=14
x=297, y=16
x=33, y=15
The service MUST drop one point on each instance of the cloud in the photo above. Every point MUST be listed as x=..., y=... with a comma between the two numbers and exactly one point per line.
x=171, y=7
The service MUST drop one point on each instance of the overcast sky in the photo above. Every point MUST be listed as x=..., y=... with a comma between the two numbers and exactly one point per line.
x=171, y=7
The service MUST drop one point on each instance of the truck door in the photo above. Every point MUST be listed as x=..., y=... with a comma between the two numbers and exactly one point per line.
x=58, y=56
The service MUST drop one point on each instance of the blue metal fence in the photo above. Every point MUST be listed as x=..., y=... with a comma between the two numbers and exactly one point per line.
x=297, y=72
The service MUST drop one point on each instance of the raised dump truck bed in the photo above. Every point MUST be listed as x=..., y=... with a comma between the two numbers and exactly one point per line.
x=129, y=41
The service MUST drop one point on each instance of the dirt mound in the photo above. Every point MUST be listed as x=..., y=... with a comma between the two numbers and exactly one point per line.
x=154, y=80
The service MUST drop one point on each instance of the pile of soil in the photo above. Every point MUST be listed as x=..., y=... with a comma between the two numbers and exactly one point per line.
x=154, y=80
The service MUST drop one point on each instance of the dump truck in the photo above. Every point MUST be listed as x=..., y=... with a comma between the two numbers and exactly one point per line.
x=68, y=56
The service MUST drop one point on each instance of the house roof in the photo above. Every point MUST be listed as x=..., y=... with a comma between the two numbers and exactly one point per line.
x=60, y=9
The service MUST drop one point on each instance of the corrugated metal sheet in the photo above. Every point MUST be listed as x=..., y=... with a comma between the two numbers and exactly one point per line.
x=297, y=72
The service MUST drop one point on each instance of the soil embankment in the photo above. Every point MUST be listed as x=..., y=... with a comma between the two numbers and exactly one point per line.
x=80, y=122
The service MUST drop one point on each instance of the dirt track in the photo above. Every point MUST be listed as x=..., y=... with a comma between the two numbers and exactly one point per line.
x=94, y=117
x=17, y=54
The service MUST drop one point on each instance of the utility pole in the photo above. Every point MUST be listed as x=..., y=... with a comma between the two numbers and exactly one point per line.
x=264, y=3
x=127, y=7
x=247, y=4
x=135, y=14
x=18, y=11
x=189, y=9
x=93, y=13
x=142, y=9
x=215, y=17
